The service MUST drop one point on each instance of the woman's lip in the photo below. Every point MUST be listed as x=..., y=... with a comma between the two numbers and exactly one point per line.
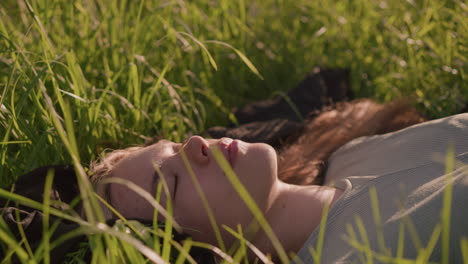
x=233, y=149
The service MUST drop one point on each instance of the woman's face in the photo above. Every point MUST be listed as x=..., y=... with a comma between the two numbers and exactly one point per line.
x=254, y=164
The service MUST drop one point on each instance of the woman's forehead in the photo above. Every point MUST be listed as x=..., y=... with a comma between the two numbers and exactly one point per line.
x=147, y=156
x=161, y=142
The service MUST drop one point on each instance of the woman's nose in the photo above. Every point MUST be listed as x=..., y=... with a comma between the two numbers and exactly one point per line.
x=196, y=149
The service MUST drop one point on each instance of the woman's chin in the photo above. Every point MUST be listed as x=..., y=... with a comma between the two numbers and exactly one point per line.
x=257, y=167
x=257, y=155
x=267, y=153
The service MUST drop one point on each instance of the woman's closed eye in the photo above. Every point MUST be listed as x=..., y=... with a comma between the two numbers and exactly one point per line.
x=170, y=182
x=176, y=182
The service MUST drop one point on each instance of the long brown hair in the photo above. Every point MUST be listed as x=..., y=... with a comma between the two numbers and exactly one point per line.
x=304, y=161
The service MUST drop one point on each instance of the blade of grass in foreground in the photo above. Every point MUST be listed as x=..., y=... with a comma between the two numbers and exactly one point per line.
x=14, y=247
x=365, y=239
x=120, y=216
x=166, y=249
x=241, y=252
x=23, y=238
x=145, y=195
x=96, y=228
x=447, y=204
x=156, y=241
x=183, y=257
x=215, y=250
x=317, y=253
x=15, y=142
x=67, y=136
x=425, y=253
x=464, y=249
x=46, y=231
x=378, y=221
x=206, y=205
x=249, y=201
x=254, y=249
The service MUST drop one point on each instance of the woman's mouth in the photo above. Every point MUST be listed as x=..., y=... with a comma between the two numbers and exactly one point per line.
x=229, y=149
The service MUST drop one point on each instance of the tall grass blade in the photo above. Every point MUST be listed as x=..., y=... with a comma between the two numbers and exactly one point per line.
x=241, y=55
x=145, y=195
x=206, y=205
x=447, y=204
x=317, y=254
x=378, y=221
x=203, y=47
x=260, y=255
x=248, y=200
x=464, y=249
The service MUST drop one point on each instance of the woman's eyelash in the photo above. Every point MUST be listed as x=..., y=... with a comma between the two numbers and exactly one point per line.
x=176, y=181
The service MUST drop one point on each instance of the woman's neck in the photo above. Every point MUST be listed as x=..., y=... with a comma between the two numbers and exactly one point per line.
x=295, y=213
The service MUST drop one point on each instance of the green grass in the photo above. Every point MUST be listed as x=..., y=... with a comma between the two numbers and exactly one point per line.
x=130, y=70
x=77, y=77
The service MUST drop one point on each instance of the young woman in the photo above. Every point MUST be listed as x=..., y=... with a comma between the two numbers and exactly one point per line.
x=385, y=192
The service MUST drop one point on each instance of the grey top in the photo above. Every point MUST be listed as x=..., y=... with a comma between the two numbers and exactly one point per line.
x=407, y=170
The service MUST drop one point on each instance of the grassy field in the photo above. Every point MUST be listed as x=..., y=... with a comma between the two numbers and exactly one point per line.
x=77, y=77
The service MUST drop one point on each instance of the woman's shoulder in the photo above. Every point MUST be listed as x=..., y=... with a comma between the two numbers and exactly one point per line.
x=410, y=147
x=448, y=126
x=418, y=194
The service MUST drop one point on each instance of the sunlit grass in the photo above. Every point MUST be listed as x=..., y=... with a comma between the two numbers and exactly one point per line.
x=79, y=77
